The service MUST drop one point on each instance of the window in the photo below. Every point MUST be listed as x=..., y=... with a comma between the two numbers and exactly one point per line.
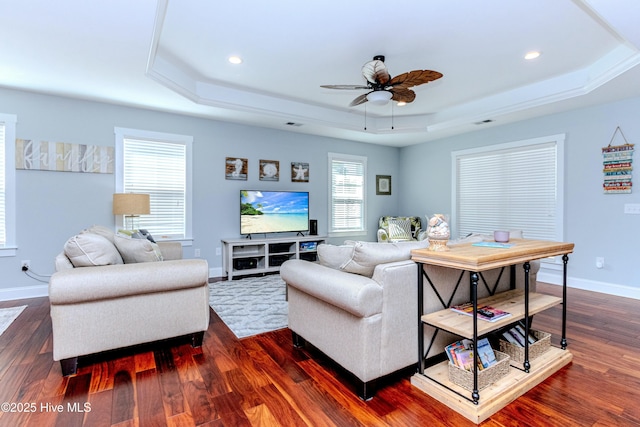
x=157, y=164
x=347, y=194
x=510, y=186
x=7, y=185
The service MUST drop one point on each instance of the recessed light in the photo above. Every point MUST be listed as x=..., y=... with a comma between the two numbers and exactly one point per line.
x=401, y=104
x=235, y=59
x=532, y=55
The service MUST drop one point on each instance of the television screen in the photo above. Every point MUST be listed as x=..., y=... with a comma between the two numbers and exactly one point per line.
x=273, y=211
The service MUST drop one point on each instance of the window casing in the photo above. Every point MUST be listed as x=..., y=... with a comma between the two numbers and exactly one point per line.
x=7, y=185
x=513, y=186
x=158, y=164
x=347, y=194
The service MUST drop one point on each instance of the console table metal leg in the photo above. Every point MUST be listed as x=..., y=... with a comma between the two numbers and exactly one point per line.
x=563, y=341
x=421, y=354
x=527, y=365
x=474, y=297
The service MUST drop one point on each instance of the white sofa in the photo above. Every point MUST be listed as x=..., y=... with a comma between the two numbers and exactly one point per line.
x=99, y=302
x=358, y=305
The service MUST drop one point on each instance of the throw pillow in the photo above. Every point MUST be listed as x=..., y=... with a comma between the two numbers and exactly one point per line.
x=89, y=249
x=333, y=256
x=101, y=231
x=137, y=250
x=138, y=234
x=367, y=255
x=399, y=229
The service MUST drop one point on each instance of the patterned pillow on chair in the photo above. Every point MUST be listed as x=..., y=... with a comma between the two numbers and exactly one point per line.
x=399, y=229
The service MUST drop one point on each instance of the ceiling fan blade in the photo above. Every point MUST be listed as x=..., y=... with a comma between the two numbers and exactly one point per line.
x=345, y=87
x=414, y=78
x=402, y=95
x=359, y=100
x=376, y=72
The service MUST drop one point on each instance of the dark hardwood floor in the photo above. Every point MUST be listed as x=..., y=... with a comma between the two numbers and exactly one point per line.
x=263, y=380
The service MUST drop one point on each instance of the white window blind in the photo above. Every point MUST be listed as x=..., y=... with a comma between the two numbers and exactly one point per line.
x=157, y=164
x=3, y=187
x=510, y=187
x=7, y=185
x=347, y=193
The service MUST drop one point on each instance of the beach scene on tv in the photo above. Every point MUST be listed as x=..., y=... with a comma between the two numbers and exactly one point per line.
x=273, y=211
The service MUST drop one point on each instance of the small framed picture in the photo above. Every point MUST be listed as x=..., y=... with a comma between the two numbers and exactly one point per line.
x=269, y=170
x=299, y=172
x=383, y=185
x=236, y=168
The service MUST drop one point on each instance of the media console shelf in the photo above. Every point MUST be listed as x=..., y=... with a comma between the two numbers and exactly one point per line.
x=242, y=257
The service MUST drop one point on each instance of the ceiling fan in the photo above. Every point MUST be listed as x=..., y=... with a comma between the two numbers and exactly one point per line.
x=382, y=87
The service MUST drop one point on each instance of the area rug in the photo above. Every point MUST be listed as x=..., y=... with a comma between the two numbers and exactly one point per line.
x=250, y=306
x=8, y=315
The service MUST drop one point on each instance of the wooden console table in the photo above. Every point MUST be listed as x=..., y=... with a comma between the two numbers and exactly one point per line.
x=433, y=380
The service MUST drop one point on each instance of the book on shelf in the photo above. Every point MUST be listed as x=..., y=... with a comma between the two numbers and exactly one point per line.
x=462, y=354
x=485, y=312
x=515, y=336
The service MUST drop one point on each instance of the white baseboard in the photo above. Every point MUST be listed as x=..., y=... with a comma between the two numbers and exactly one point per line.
x=24, y=292
x=555, y=278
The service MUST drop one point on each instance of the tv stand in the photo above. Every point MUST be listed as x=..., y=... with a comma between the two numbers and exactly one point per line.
x=243, y=257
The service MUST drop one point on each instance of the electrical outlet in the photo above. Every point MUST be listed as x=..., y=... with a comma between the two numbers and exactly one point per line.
x=218, y=251
x=632, y=208
x=599, y=262
x=196, y=253
x=25, y=264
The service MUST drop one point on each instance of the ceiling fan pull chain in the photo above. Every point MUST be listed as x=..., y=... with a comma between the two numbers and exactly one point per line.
x=365, y=116
x=392, y=110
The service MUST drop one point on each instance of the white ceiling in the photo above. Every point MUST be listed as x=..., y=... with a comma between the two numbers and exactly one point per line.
x=172, y=55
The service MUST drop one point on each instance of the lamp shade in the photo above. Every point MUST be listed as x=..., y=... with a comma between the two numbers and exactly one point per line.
x=131, y=204
x=379, y=97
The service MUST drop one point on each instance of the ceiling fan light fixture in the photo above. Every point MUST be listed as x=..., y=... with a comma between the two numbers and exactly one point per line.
x=401, y=103
x=379, y=97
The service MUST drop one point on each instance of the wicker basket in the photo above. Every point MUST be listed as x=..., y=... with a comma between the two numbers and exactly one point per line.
x=486, y=377
x=542, y=344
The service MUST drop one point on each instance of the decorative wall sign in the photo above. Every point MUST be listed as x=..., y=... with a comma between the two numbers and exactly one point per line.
x=299, y=172
x=269, y=170
x=63, y=157
x=617, y=166
x=236, y=168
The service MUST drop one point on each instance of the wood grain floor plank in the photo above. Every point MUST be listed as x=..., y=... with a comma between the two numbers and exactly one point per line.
x=149, y=398
x=264, y=380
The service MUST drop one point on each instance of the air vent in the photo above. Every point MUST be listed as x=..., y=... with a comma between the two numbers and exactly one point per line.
x=293, y=124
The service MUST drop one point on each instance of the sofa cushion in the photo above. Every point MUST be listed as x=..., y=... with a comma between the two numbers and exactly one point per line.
x=367, y=255
x=333, y=256
x=137, y=250
x=89, y=249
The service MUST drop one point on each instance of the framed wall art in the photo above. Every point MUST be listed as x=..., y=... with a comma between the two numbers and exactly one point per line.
x=269, y=170
x=299, y=172
x=383, y=185
x=236, y=168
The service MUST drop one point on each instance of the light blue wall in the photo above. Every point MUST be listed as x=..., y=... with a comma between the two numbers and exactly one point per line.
x=595, y=222
x=52, y=206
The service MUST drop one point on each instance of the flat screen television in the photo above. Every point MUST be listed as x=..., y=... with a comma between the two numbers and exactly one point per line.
x=273, y=211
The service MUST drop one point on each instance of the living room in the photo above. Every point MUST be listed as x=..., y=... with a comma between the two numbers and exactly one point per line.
x=50, y=206
x=75, y=201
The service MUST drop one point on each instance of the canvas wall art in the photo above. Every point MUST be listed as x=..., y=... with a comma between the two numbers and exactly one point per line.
x=63, y=157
